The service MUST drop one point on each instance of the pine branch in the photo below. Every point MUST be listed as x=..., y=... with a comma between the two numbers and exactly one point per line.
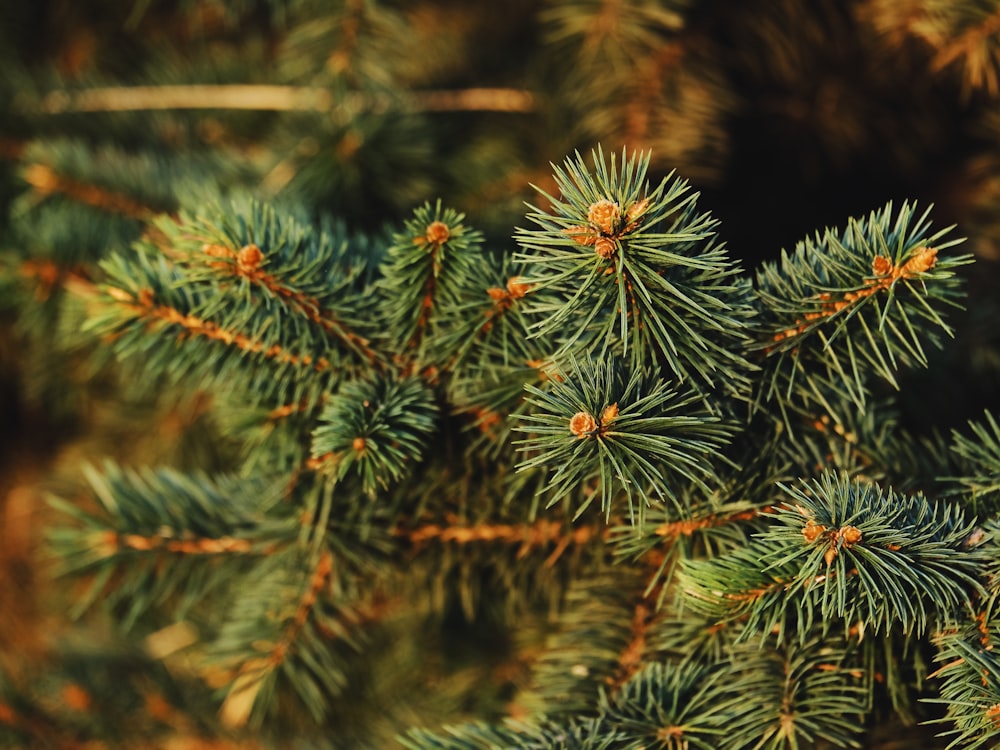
x=494, y=355
x=659, y=85
x=287, y=626
x=376, y=427
x=704, y=525
x=846, y=307
x=586, y=734
x=970, y=681
x=247, y=261
x=635, y=434
x=959, y=35
x=676, y=706
x=617, y=269
x=46, y=181
x=803, y=694
x=844, y=552
x=425, y=274
x=526, y=537
x=976, y=44
x=298, y=320
x=586, y=653
x=143, y=544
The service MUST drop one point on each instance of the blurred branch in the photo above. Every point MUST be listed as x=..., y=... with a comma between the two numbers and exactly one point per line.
x=276, y=98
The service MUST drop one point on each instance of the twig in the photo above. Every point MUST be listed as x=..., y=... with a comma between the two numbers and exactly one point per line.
x=280, y=99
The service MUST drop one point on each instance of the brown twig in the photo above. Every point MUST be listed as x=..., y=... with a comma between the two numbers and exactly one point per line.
x=46, y=181
x=676, y=529
x=144, y=306
x=247, y=262
x=261, y=97
x=110, y=543
x=542, y=533
x=885, y=272
x=243, y=693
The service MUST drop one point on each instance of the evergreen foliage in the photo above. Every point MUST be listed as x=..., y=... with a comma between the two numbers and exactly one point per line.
x=539, y=463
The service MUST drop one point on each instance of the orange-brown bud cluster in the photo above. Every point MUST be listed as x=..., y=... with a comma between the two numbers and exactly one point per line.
x=922, y=261
x=846, y=536
x=248, y=259
x=605, y=247
x=881, y=266
x=813, y=531
x=609, y=414
x=607, y=225
x=583, y=424
x=603, y=215
x=515, y=289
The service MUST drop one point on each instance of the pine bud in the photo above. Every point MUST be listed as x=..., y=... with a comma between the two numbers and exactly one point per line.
x=975, y=538
x=813, y=531
x=636, y=210
x=582, y=424
x=604, y=215
x=993, y=714
x=249, y=258
x=922, y=260
x=517, y=288
x=437, y=233
x=609, y=414
x=881, y=266
x=605, y=247
x=850, y=535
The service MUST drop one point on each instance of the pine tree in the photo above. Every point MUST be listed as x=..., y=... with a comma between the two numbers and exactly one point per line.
x=338, y=462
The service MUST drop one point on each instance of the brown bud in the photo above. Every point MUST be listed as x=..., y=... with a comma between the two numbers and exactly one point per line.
x=636, y=210
x=217, y=251
x=975, y=538
x=605, y=247
x=993, y=714
x=42, y=178
x=135, y=541
x=604, y=215
x=119, y=295
x=437, y=233
x=249, y=258
x=850, y=534
x=358, y=444
x=517, y=288
x=830, y=556
x=75, y=697
x=813, y=531
x=881, y=266
x=582, y=424
x=922, y=260
x=609, y=414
